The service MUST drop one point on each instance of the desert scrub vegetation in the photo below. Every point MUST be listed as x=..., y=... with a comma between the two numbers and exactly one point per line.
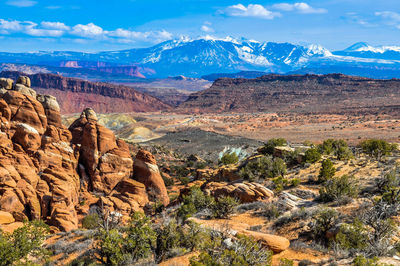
x=337, y=148
x=339, y=190
x=262, y=168
x=197, y=201
x=269, y=146
x=377, y=148
x=242, y=251
x=24, y=244
x=312, y=155
x=229, y=158
x=326, y=172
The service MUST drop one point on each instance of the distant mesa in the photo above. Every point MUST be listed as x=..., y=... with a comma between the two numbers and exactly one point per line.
x=332, y=93
x=75, y=94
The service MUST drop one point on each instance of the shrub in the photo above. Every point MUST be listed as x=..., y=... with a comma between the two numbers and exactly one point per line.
x=338, y=148
x=24, y=243
x=338, y=189
x=229, y=158
x=263, y=167
x=389, y=181
x=137, y=241
x=326, y=172
x=111, y=246
x=269, y=146
x=271, y=211
x=243, y=251
x=362, y=261
x=224, y=207
x=194, y=202
x=377, y=148
x=140, y=238
x=312, y=155
x=323, y=221
x=91, y=221
x=353, y=236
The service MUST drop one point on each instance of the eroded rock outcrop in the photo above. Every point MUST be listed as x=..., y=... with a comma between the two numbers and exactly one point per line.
x=106, y=160
x=46, y=169
x=146, y=171
x=245, y=192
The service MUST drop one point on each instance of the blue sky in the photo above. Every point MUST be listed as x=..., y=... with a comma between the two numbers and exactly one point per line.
x=95, y=25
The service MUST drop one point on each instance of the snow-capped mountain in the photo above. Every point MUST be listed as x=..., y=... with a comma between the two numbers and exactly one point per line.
x=205, y=55
x=364, y=50
x=191, y=57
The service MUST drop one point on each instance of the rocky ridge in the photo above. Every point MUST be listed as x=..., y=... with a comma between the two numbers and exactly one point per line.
x=58, y=174
x=75, y=94
x=329, y=94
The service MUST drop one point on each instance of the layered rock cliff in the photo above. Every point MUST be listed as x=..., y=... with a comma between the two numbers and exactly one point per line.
x=332, y=93
x=75, y=94
x=53, y=173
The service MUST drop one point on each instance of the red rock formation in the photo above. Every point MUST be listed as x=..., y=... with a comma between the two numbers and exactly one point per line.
x=45, y=168
x=106, y=160
x=75, y=94
x=146, y=171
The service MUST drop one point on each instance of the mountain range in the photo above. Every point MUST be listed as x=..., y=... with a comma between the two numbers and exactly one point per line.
x=206, y=55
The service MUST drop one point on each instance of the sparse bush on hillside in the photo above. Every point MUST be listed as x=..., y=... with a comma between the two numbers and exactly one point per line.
x=194, y=202
x=168, y=181
x=229, y=158
x=262, y=168
x=363, y=261
x=136, y=241
x=312, y=155
x=24, y=244
x=338, y=148
x=388, y=182
x=91, y=221
x=224, y=207
x=377, y=148
x=353, y=237
x=338, y=189
x=268, y=148
x=244, y=252
x=327, y=171
x=323, y=221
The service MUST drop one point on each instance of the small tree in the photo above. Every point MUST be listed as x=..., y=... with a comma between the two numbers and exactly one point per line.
x=224, y=207
x=337, y=189
x=270, y=145
x=377, y=148
x=229, y=158
x=327, y=171
x=312, y=155
x=24, y=243
x=323, y=221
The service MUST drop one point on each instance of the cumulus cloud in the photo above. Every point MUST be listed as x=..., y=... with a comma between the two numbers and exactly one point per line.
x=206, y=27
x=21, y=3
x=389, y=18
x=88, y=31
x=252, y=10
x=54, y=25
x=300, y=7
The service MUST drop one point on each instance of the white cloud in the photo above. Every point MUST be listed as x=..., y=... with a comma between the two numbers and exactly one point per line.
x=88, y=30
x=206, y=27
x=21, y=3
x=54, y=25
x=389, y=18
x=301, y=7
x=9, y=26
x=252, y=10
